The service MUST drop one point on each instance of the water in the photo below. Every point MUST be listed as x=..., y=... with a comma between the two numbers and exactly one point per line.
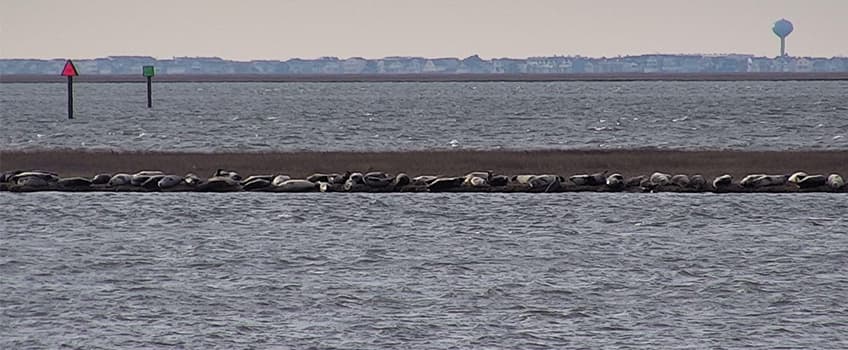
x=376, y=271
x=402, y=116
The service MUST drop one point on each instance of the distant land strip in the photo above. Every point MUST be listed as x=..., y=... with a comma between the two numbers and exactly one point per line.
x=418, y=77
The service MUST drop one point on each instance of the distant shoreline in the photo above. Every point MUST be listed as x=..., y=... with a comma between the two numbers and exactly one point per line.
x=476, y=77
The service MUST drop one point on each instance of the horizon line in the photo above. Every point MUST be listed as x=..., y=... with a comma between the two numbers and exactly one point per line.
x=414, y=56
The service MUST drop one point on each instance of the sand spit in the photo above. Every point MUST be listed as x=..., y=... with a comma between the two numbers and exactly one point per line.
x=432, y=171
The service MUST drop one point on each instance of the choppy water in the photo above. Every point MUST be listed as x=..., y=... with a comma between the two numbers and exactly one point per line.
x=362, y=271
x=398, y=116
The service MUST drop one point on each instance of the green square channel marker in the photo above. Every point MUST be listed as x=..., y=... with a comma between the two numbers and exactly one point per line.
x=147, y=71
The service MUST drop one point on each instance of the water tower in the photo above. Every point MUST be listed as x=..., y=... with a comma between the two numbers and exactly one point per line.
x=782, y=29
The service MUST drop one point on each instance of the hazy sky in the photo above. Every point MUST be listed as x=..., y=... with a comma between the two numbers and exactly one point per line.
x=259, y=29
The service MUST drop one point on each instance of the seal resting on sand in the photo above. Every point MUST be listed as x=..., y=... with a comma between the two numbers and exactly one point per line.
x=169, y=181
x=812, y=181
x=120, y=179
x=101, y=179
x=297, y=186
x=549, y=183
x=74, y=182
x=445, y=183
x=615, y=181
x=722, y=181
x=140, y=177
x=762, y=180
x=835, y=181
x=220, y=184
x=660, y=179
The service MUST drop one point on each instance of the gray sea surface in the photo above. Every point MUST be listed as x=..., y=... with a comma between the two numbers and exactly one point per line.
x=205, y=117
x=422, y=271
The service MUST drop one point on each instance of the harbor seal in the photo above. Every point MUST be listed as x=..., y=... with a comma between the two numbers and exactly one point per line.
x=48, y=177
x=401, y=180
x=74, y=182
x=101, y=179
x=485, y=175
x=680, y=180
x=423, y=179
x=279, y=179
x=268, y=178
x=297, y=186
x=796, y=177
x=445, y=183
x=635, y=181
x=227, y=173
x=377, y=179
x=320, y=177
x=256, y=184
x=219, y=184
x=522, y=179
x=596, y=179
x=31, y=181
x=475, y=181
x=812, y=181
x=6, y=176
x=169, y=181
x=499, y=180
x=152, y=182
x=615, y=181
x=835, y=181
x=722, y=181
x=660, y=179
x=120, y=179
x=191, y=179
x=762, y=180
x=697, y=182
x=356, y=182
x=549, y=183
x=140, y=177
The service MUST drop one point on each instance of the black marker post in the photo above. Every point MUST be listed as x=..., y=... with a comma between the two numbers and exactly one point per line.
x=148, y=72
x=70, y=71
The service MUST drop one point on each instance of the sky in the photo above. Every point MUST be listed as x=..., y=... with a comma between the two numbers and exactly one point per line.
x=283, y=29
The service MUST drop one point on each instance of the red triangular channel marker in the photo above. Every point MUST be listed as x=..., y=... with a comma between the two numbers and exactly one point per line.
x=70, y=70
